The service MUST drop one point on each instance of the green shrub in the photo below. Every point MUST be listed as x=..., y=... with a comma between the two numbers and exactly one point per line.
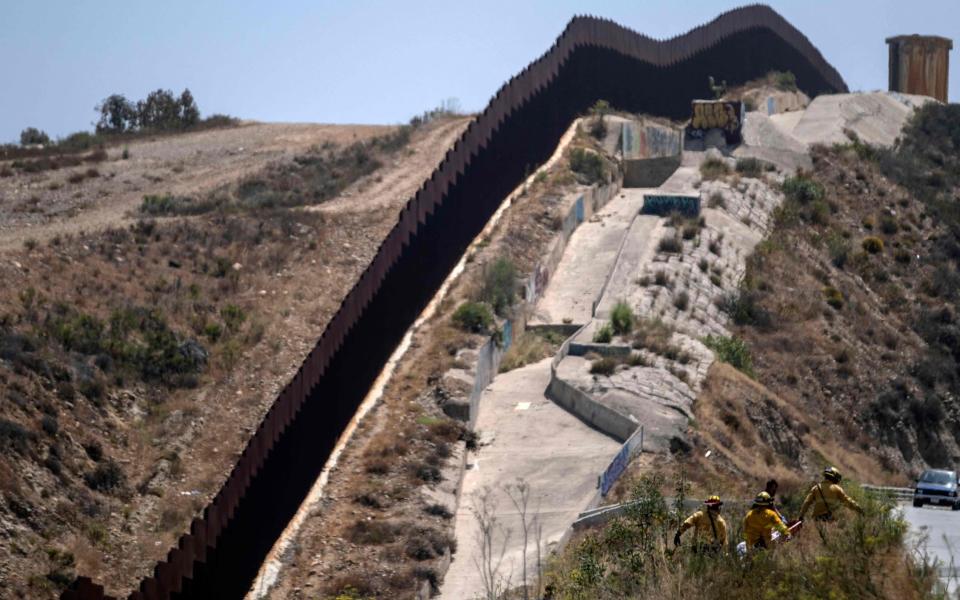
x=14, y=437
x=784, y=80
x=750, y=167
x=500, y=285
x=902, y=256
x=872, y=244
x=818, y=212
x=745, y=309
x=167, y=204
x=682, y=300
x=603, y=335
x=714, y=168
x=888, y=225
x=474, y=317
x=732, y=350
x=106, y=477
x=621, y=318
x=589, y=165
x=213, y=331
x=137, y=339
x=833, y=296
x=233, y=317
x=598, y=128
x=630, y=556
x=839, y=249
x=671, y=244
x=604, y=366
x=716, y=201
x=802, y=189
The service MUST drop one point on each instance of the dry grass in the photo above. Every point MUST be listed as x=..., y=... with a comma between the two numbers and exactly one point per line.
x=529, y=347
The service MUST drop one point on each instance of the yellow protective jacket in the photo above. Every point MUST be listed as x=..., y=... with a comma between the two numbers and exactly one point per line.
x=703, y=530
x=759, y=525
x=826, y=498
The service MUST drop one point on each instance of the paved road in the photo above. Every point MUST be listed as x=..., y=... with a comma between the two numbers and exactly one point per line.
x=939, y=531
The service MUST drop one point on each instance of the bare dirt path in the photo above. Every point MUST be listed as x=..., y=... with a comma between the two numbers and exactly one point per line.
x=42, y=205
x=398, y=181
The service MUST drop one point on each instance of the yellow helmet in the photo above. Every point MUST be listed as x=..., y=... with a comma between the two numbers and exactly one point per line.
x=713, y=501
x=763, y=499
x=831, y=474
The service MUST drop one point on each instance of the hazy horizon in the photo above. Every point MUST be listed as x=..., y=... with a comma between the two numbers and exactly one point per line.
x=366, y=62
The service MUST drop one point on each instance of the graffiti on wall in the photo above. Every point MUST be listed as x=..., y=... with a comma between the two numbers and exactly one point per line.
x=664, y=204
x=724, y=115
x=619, y=464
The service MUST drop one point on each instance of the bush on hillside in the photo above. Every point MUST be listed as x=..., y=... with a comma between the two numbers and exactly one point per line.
x=784, y=80
x=802, y=189
x=588, y=165
x=473, y=317
x=873, y=245
x=744, y=308
x=629, y=557
x=750, y=167
x=731, y=350
x=714, y=168
x=500, y=285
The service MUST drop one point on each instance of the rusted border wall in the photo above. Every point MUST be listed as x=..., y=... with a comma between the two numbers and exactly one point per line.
x=593, y=58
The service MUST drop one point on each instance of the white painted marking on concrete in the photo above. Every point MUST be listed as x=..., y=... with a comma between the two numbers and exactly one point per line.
x=270, y=570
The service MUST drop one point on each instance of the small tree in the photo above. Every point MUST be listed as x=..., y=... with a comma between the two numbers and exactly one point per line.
x=33, y=136
x=117, y=114
x=189, y=113
x=484, y=509
x=500, y=285
x=160, y=111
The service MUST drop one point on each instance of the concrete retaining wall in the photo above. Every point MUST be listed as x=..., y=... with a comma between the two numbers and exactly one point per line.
x=650, y=172
x=490, y=354
x=590, y=412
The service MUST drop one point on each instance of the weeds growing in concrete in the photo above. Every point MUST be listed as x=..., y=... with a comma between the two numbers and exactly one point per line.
x=622, y=318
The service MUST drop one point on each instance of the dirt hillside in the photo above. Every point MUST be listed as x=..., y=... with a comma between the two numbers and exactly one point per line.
x=141, y=343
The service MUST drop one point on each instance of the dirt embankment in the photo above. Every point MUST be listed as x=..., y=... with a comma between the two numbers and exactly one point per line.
x=138, y=357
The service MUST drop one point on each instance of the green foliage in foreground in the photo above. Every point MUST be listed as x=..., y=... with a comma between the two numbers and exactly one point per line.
x=731, y=350
x=631, y=557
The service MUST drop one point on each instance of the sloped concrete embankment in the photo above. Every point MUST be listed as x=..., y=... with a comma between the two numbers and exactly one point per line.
x=679, y=291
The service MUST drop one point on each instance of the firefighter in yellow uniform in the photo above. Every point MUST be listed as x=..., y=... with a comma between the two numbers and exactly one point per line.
x=710, y=530
x=761, y=521
x=827, y=496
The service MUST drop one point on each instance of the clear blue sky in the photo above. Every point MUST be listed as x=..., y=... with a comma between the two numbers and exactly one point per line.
x=359, y=61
